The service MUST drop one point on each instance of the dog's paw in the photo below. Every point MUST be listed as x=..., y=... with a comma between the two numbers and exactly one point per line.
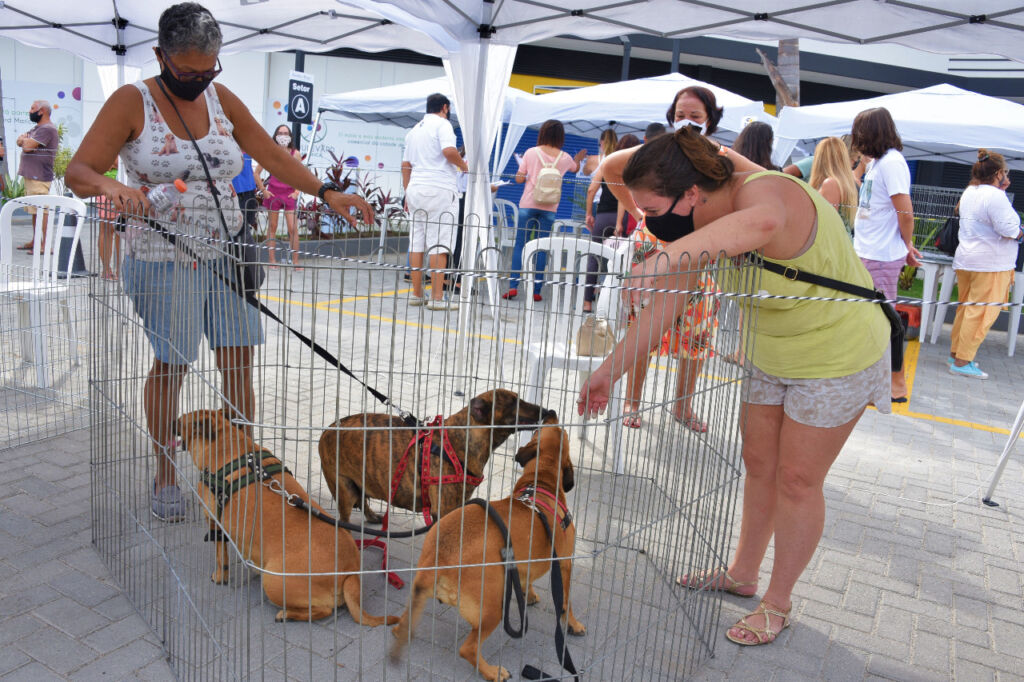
x=531, y=596
x=221, y=576
x=577, y=629
x=495, y=673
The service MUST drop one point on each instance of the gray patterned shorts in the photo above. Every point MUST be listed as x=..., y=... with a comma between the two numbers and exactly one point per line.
x=824, y=403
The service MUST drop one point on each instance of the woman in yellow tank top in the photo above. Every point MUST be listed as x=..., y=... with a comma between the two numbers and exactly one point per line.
x=813, y=368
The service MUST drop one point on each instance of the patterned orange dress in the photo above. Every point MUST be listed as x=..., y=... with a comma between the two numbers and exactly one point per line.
x=694, y=331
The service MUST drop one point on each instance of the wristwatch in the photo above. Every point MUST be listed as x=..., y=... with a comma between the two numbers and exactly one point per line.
x=325, y=187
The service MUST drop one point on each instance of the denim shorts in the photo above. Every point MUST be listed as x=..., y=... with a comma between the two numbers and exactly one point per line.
x=179, y=303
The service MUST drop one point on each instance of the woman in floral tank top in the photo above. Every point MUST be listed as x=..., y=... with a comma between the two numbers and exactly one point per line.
x=175, y=292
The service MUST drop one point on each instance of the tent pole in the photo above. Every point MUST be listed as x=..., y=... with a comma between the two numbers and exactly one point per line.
x=1018, y=425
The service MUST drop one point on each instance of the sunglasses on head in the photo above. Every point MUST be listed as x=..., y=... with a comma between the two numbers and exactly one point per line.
x=191, y=76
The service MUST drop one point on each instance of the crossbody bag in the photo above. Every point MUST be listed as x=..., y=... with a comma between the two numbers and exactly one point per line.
x=242, y=248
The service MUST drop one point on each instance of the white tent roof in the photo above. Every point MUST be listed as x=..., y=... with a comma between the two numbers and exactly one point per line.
x=90, y=30
x=940, y=123
x=402, y=104
x=946, y=26
x=631, y=105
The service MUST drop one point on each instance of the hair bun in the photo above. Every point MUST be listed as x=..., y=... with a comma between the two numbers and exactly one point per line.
x=983, y=155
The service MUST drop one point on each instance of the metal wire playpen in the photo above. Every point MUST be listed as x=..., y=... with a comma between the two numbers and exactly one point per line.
x=649, y=503
x=44, y=327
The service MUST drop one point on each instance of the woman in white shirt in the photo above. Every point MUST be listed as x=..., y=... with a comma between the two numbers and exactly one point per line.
x=883, y=231
x=989, y=233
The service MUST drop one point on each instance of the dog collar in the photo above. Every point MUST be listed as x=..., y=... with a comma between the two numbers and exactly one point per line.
x=528, y=496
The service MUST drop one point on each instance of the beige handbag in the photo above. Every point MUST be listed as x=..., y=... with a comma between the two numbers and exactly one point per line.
x=594, y=337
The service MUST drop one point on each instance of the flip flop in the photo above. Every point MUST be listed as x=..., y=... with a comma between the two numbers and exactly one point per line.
x=900, y=401
x=632, y=422
x=25, y=247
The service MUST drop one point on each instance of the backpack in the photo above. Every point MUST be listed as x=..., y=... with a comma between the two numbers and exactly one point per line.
x=548, y=188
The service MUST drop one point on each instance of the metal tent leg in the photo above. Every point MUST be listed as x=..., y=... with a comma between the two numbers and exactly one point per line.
x=1018, y=425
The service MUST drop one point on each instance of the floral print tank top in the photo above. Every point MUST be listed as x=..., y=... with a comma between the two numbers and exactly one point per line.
x=158, y=156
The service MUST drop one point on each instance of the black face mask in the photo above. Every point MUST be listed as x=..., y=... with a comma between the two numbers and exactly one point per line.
x=35, y=117
x=188, y=91
x=670, y=226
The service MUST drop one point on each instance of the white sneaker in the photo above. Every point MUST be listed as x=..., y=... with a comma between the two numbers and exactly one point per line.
x=441, y=305
x=415, y=300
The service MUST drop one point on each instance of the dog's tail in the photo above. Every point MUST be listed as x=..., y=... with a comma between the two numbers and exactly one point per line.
x=350, y=589
x=407, y=623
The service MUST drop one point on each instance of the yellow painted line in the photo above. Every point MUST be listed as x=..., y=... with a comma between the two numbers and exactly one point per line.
x=327, y=305
x=911, y=356
x=910, y=359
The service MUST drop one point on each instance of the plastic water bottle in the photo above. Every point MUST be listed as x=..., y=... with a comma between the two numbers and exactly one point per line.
x=164, y=197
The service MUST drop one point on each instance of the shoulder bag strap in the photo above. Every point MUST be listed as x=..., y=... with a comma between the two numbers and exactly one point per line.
x=202, y=159
x=798, y=275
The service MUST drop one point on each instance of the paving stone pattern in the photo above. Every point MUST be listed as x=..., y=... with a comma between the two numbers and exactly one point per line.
x=914, y=578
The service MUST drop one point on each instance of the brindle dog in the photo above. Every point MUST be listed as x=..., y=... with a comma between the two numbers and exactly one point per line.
x=361, y=453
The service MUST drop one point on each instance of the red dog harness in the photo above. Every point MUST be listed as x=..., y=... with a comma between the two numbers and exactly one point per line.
x=424, y=436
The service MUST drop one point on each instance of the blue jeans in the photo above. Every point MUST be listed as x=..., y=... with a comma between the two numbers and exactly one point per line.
x=539, y=222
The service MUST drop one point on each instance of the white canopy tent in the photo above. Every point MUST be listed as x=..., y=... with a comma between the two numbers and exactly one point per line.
x=478, y=38
x=627, y=106
x=402, y=104
x=940, y=123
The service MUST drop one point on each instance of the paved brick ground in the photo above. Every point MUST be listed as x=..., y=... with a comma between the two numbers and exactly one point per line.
x=914, y=578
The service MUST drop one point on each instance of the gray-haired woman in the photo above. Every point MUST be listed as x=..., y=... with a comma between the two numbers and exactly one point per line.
x=145, y=123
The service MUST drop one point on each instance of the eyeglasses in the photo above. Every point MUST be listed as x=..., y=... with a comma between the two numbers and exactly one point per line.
x=191, y=76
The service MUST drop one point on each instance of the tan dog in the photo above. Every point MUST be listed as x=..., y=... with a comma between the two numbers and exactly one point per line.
x=458, y=539
x=277, y=537
x=360, y=454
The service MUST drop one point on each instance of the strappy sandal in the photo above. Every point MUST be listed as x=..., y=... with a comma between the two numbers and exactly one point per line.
x=715, y=580
x=764, y=635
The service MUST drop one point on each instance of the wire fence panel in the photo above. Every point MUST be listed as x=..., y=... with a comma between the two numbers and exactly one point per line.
x=45, y=323
x=652, y=495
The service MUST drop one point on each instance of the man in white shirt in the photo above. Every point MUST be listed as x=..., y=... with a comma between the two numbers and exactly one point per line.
x=429, y=166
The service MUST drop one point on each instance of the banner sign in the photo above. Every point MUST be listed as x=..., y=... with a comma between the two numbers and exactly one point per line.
x=300, y=97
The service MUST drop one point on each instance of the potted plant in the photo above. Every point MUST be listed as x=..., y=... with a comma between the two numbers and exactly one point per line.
x=342, y=172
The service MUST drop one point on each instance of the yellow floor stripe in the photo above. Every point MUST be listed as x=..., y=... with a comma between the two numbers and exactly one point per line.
x=910, y=358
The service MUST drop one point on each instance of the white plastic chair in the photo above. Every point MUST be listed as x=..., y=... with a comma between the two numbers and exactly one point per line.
x=551, y=332
x=32, y=294
x=506, y=221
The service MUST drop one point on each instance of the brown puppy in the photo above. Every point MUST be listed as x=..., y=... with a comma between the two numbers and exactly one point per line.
x=458, y=539
x=277, y=537
x=360, y=454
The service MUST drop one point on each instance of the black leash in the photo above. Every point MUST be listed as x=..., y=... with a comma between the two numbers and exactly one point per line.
x=317, y=514
x=251, y=299
x=513, y=586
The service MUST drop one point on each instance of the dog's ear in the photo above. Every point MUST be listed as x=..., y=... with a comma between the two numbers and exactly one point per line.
x=480, y=409
x=548, y=416
x=204, y=427
x=568, y=477
x=527, y=452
